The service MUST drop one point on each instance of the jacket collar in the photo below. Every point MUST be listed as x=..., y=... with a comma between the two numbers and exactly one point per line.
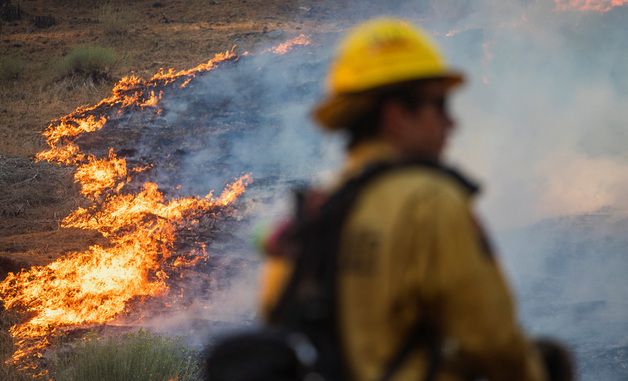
x=366, y=154
x=375, y=152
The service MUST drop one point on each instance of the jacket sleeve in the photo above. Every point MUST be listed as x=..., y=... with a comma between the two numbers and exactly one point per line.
x=468, y=293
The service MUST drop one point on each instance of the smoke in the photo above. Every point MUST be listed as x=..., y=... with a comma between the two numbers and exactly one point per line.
x=545, y=127
x=207, y=319
x=250, y=116
x=542, y=123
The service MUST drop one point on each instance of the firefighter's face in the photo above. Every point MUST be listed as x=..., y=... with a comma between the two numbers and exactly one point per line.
x=422, y=130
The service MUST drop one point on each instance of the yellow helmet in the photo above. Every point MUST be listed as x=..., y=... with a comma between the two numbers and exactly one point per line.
x=379, y=53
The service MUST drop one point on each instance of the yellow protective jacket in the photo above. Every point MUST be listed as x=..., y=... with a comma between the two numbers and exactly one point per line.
x=411, y=249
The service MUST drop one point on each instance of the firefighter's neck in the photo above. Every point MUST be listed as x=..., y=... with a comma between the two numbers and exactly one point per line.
x=368, y=152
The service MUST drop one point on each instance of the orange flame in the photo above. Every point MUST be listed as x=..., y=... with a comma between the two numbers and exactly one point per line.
x=67, y=154
x=153, y=100
x=95, y=286
x=300, y=40
x=71, y=129
x=99, y=175
x=600, y=6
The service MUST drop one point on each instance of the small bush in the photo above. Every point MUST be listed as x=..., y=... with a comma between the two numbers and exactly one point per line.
x=11, y=68
x=134, y=357
x=90, y=61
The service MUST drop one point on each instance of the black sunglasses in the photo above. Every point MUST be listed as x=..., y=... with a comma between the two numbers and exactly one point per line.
x=441, y=103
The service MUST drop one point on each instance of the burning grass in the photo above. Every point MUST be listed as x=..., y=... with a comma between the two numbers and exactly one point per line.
x=138, y=356
x=96, y=286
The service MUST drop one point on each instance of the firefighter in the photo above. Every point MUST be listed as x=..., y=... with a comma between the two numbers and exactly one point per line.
x=411, y=247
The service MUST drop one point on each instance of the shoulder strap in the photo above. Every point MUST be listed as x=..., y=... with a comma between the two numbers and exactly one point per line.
x=347, y=194
x=421, y=333
x=323, y=229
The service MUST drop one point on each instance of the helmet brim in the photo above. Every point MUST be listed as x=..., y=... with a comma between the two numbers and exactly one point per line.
x=336, y=111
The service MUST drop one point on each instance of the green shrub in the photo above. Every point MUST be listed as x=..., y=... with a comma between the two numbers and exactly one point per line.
x=95, y=62
x=11, y=68
x=137, y=356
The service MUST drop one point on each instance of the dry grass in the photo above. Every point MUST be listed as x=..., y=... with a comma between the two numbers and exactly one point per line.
x=116, y=20
x=11, y=68
x=142, y=41
x=8, y=372
x=25, y=185
x=26, y=108
x=138, y=356
x=34, y=197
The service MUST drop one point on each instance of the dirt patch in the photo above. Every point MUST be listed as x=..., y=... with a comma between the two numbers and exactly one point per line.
x=27, y=188
x=42, y=247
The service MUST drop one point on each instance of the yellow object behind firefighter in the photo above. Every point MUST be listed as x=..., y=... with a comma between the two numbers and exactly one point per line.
x=378, y=53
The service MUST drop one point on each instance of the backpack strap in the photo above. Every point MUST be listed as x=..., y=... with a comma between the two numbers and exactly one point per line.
x=311, y=262
x=421, y=333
